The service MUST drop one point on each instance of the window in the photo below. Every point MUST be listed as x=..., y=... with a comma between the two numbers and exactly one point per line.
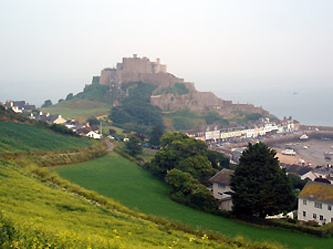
x=329, y=208
x=304, y=214
x=318, y=205
x=304, y=202
x=321, y=217
x=221, y=185
x=314, y=216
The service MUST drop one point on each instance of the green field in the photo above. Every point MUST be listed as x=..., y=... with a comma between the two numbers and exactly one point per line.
x=15, y=137
x=79, y=110
x=38, y=216
x=115, y=177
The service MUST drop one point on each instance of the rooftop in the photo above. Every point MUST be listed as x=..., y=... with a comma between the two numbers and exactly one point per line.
x=222, y=177
x=317, y=191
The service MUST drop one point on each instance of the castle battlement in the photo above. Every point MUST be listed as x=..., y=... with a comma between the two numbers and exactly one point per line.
x=131, y=68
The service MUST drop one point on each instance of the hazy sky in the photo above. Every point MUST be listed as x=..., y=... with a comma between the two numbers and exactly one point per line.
x=49, y=48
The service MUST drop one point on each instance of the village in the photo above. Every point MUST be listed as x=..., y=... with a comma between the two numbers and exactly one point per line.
x=302, y=151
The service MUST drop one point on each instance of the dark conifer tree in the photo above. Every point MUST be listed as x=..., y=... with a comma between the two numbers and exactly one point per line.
x=260, y=186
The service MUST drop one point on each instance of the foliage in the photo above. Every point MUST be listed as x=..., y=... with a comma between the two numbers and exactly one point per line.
x=218, y=160
x=212, y=117
x=136, y=110
x=188, y=191
x=260, y=187
x=112, y=131
x=296, y=181
x=69, y=96
x=47, y=103
x=95, y=92
x=177, y=88
x=156, y=134
x=184, y=120
x=181, y=152
x=95, y=80
x=93, y=121
x=48, y=159
x=133, y=146
x=140, y=135
x=62, y=129
x=244, y=118
x=106, y=176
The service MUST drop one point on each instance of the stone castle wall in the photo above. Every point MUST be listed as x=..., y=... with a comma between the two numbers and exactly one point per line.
x=137, y=69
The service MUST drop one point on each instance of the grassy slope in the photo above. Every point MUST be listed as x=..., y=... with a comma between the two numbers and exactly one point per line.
x=15, y=137
x=132, y=186
x=47, y=216
x=79, y=109
x=182, y=120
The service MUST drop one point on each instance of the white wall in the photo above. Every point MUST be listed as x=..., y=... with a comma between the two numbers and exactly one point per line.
x=310, y=209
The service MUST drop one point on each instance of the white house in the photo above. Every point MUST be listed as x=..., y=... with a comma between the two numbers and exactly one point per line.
x=221, y=188
x=94, y=135
x=315, y=203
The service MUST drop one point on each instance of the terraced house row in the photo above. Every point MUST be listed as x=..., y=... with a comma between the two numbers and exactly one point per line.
x=216, y=134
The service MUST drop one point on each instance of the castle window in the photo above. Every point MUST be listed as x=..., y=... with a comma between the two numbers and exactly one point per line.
x=304, y=202
x=304, y=214
x=329, y=208
x=314, y=216
x=321, y=217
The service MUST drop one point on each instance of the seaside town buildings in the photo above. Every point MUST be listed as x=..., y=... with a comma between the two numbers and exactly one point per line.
x=216, y=134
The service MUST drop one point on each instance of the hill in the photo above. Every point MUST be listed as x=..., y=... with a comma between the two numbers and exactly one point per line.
x=79, y=109
x=41, y=210
x=172, y=95
x=20, y=134
x=134, y=187
x=45, y=216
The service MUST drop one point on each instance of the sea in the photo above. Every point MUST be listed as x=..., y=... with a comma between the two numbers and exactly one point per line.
x=310, y=106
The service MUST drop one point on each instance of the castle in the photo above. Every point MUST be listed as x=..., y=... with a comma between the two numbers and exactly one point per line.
x=136, y=69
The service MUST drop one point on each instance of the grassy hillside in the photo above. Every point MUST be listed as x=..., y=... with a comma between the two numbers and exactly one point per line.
x=183, y=120
x=42, y=216
x=132, y=186
x=16, y=137
x=79, y=110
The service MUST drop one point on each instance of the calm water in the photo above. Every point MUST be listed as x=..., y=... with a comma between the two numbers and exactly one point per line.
x=309, y=106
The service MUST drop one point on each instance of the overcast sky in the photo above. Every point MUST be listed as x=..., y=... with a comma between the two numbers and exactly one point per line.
x=49, y=48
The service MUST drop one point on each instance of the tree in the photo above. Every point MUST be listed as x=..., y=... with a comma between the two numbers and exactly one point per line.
x=182, y=152
x=93, y=121
x=156, y=134
x=70, y=96
x=189, y=191
x=133, y=146
x=47, y=103
x=260, y=186
x=218, y=160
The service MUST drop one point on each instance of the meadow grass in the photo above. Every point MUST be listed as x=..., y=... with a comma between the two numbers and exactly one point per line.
x=115, y=177
x=15, y=137
x=39, y=215
x=79, y=110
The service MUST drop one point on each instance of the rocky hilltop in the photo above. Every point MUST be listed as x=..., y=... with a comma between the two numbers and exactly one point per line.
x=172, y=93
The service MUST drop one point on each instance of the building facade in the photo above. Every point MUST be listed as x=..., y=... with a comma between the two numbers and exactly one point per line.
x=315, y=203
